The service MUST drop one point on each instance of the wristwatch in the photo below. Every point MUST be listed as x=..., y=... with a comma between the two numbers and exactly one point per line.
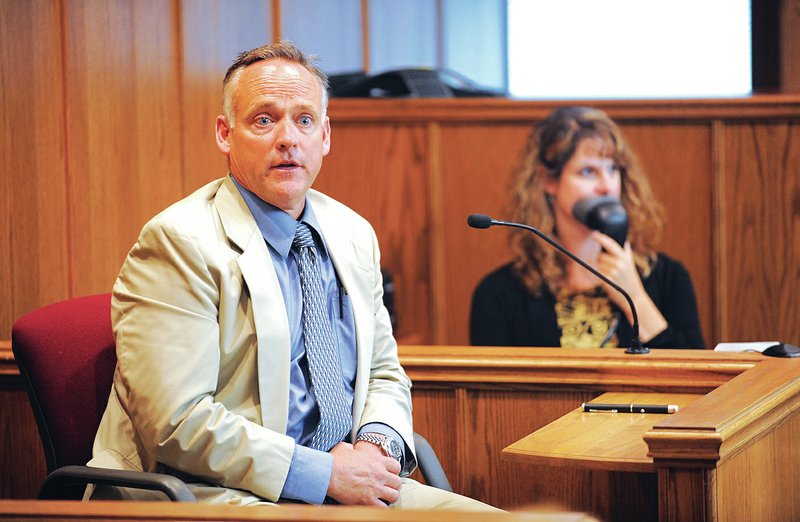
x=387, y=444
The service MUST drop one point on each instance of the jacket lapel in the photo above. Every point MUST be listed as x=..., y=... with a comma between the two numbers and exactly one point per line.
x=268, y=309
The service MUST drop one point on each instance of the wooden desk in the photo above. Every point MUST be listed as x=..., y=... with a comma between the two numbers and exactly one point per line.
x=472, y=402
x=727, y=455
x=180, y=511
x=607, y=441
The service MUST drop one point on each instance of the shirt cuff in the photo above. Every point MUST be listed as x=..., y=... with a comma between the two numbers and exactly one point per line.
x=309, y=475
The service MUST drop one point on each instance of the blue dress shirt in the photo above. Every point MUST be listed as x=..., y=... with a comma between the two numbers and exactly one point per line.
x=310, y=470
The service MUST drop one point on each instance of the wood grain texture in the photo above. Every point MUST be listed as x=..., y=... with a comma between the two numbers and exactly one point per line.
x=731, y=417
x=134, y=511
x=789, y=16
x=438, y=175
x=683, y=495
x=493, y=419
x=602, y=440
x=478, y=165
x=123, y=138
x=678, y=371
x=471, y=402
x=770, y=468
x=130, y=91
x=212, y=33
x=746, y=420
x=675, y=143
x=677, y=160
x=435, y=415
x=21, y=455
x=762, y=228
x=34, y=228
x=381, y=172
x=505, y=110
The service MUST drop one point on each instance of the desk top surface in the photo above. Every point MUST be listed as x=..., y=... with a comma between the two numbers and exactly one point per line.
x=608, y=441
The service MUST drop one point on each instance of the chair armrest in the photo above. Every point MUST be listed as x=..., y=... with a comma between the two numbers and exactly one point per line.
x=429, y=465
x=62, y=483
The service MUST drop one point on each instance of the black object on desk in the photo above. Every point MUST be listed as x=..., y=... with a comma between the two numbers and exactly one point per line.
x=782, y=350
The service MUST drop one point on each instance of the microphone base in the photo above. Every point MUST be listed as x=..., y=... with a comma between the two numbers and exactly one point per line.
x=637, y=348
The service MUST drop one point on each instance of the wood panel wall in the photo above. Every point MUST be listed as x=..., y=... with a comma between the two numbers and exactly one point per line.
x=108, y=111
x=725, y=172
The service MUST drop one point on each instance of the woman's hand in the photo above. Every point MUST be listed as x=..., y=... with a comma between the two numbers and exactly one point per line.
x=616, y=263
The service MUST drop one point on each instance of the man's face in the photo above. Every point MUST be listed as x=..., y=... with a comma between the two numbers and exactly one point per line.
x=276, y=144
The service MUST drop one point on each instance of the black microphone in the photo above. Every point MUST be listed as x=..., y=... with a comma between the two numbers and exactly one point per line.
x=484, y=221
x=603, y=213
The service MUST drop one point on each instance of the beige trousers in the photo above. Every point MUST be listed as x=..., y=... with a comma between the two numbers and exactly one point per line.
x=413, y=495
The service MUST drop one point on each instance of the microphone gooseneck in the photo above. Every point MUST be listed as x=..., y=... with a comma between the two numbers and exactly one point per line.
x=484, y=221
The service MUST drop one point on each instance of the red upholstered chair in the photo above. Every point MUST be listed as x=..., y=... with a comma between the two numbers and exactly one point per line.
x=65, y=353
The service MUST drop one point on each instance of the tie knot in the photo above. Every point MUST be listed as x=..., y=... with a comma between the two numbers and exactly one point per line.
x=302, y=236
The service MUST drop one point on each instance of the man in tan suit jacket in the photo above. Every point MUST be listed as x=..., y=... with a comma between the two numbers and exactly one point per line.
x=205, y=335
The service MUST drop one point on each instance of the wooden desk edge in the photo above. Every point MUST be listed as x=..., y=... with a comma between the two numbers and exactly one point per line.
x=697, y=371
x=687, y=371
x=180, y=511
x=724, y=432
x=512, y=454
x=8, y=366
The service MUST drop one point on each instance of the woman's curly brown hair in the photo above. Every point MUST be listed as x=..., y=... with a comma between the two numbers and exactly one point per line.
x=550, y=146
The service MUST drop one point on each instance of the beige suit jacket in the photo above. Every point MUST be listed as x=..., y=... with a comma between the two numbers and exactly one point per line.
x=202, y=379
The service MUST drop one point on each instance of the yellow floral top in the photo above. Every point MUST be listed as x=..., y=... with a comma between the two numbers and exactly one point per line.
x=586, y=319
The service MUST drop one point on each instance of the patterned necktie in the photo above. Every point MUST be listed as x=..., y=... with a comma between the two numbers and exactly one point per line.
x=323, y=357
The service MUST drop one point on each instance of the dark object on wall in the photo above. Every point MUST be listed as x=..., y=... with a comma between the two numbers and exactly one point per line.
x=388, y=296
x=765, y=46
x=407, y=83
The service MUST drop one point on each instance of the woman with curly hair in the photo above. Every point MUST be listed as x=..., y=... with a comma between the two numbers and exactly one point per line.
x=542, y=298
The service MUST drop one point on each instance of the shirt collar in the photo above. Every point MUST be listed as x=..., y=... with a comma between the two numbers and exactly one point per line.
x=278, y=227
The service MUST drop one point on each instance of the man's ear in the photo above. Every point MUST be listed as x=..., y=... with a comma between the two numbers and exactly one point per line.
x=326, y=136
x=223, y=131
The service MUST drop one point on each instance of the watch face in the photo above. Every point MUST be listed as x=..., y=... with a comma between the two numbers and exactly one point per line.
x=394, y=449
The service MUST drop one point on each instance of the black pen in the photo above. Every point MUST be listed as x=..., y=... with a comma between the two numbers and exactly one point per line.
x=342, y=293
x=629, y=408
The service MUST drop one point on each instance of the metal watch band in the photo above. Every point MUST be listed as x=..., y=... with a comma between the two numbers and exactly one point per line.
x=387, y=444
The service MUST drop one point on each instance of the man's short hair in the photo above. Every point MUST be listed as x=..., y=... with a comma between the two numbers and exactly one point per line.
x=285, y=50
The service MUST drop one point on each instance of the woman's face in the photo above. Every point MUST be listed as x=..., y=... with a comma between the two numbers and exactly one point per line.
x=589, y=173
